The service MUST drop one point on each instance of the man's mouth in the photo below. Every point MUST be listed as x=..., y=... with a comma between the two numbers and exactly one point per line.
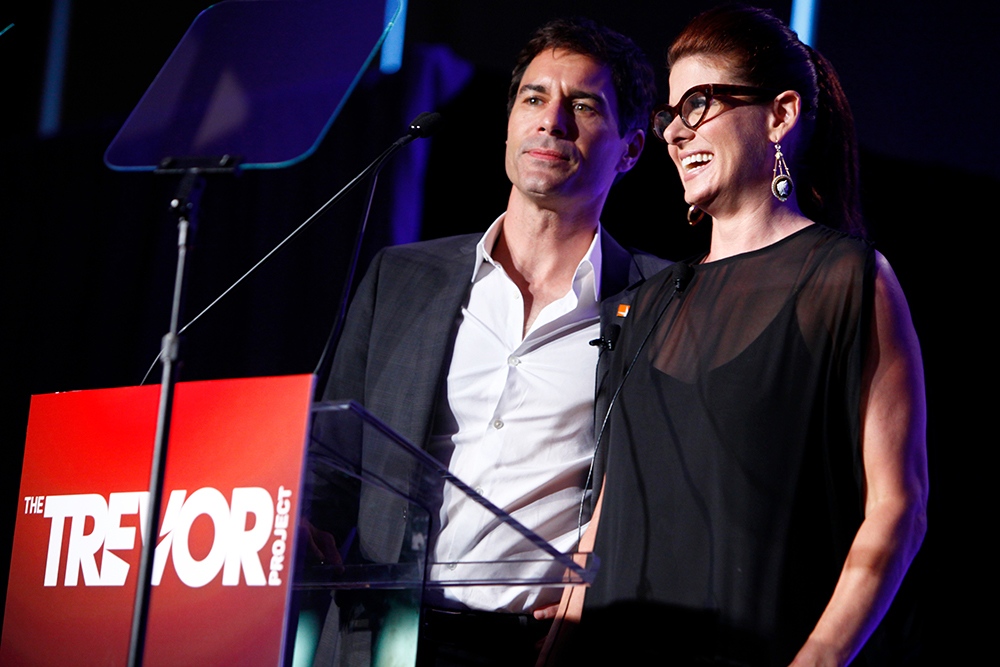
x=546, y=154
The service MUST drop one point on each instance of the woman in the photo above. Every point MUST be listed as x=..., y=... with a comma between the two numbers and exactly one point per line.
x=766, y=478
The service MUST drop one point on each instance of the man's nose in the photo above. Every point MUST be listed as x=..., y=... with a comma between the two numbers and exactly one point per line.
x=556, y=120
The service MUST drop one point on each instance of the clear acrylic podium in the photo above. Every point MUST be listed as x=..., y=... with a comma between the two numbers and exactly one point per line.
x=370, y=512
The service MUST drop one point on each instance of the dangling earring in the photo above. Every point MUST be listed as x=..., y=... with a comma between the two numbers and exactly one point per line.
x=695, y=215
x=781, y=185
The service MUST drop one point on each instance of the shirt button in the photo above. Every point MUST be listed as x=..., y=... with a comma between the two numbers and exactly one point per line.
x=452, y=566
x=513, y=361
x=497, y=423
x=479, y=490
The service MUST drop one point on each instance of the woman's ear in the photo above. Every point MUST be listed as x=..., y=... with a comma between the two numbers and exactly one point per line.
x=785, y=110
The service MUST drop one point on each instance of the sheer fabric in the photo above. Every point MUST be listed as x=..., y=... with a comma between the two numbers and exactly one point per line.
x=734, y=483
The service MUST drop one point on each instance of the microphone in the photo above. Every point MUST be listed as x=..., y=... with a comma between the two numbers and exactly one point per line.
x=607, y=343
x=422, y=127
x=682, y=276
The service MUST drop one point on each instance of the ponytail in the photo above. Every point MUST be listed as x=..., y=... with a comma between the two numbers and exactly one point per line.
x=830, y=191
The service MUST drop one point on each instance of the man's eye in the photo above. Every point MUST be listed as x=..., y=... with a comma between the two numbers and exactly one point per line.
x=580, y=107
x=532, y=101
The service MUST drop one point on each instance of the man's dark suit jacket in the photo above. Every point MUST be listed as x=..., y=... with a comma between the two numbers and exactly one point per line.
x=398, y=337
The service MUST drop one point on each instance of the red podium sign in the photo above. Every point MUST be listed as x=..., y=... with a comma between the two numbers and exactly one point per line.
x=224, y=550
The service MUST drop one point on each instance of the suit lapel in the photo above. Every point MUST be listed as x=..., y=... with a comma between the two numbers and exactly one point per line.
x=618, y=271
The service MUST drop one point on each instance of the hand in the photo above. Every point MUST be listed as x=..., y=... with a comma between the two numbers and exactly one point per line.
x=541, y=614
x=322, y=545
x=549, y=611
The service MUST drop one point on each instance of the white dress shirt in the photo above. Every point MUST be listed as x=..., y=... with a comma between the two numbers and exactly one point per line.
x=516, y=423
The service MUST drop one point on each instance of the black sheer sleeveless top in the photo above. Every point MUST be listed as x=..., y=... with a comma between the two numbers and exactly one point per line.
x=734, y=482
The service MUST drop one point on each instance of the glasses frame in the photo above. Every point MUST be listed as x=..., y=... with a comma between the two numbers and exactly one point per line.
x=710, y=91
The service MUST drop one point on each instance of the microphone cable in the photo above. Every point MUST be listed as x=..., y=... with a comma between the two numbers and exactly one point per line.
x=683, y=274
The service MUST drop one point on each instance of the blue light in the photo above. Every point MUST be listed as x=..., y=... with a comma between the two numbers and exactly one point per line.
x=306, y=639
x=55, y=70
x=804, y=14
x=392, y=48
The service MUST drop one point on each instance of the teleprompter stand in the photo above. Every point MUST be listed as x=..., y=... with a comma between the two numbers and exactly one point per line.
x=263, y=81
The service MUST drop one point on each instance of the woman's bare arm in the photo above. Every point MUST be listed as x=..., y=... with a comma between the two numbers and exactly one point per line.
x=893, y=440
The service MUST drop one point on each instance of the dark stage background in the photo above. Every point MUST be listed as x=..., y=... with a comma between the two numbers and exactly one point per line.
x=90, y=252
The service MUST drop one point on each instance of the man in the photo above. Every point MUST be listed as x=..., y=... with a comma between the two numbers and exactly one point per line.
x=476, y=348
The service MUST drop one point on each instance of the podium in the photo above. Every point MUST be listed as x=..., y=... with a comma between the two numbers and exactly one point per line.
x=291, y=532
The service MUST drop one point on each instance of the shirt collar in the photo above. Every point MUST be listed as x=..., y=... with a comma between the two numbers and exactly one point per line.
x=591, y=262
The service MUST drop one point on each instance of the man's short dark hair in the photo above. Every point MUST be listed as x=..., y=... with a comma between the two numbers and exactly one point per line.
x=631, y=74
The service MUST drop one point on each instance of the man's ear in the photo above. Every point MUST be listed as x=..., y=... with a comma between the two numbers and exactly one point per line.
x=636, y=139
x=785, y=110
